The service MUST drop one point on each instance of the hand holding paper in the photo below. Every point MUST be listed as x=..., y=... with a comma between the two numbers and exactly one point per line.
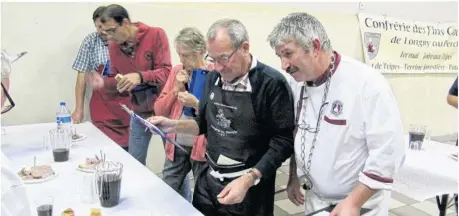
x=163, y=123
x=157, y=124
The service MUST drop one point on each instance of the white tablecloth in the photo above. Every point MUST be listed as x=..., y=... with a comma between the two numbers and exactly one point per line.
x=428, y=172
x=142, y=192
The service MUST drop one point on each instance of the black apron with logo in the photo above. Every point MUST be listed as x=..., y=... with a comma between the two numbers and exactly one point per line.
x=232, y=131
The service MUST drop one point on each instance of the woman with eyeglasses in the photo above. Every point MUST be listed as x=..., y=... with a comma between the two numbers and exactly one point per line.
x=176, y=102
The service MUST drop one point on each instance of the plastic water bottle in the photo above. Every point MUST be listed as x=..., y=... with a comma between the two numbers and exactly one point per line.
x=63, y=117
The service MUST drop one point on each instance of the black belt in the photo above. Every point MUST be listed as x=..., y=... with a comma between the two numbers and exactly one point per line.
x=225, y=168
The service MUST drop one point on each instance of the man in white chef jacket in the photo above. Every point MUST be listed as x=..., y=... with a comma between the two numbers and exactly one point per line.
x=14, y=197
x=349, y=140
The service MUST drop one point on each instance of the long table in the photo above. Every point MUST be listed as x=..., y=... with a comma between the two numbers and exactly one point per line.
x=142, y=192
x=429, y=172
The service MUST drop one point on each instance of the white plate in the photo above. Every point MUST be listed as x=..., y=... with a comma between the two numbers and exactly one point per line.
x=85, y=170
x=37, y=181
x=83, y=161
x=82, y=137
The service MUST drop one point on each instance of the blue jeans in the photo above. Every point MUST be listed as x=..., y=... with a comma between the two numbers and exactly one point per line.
x=139, y=139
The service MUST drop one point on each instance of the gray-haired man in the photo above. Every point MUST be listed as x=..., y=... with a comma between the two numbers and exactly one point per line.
x=246, y=113
x=350, y=141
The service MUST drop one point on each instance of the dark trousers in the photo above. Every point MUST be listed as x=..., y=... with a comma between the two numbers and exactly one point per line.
x=175, y=172
x=259, y=200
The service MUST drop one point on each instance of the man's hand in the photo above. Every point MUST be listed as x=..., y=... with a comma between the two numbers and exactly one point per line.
x=180, y=79
x=95, y=80
x=165, y=124
x=77, y=116
x=188, y=99
x=128, y=82
x=346, y=208
x=293, y=191
x=354, y=201
x=235, y=191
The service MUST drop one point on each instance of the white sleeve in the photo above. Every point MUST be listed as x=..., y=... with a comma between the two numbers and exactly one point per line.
x=384, y=136
x=14, y=200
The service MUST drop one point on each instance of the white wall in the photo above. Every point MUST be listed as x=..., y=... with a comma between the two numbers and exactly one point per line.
x=52, y=33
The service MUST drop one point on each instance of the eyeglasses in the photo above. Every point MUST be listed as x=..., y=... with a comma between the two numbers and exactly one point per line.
x=111, y=31
x=222, y=60
x=10, y=101
x=305, y=125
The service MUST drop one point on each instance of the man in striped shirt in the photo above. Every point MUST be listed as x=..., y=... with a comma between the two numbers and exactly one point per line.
x=91, y=65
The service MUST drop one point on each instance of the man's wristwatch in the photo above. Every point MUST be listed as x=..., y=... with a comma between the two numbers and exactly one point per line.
x=256, y=178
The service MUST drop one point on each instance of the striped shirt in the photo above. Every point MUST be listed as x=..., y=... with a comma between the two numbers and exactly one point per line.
x=92, y=53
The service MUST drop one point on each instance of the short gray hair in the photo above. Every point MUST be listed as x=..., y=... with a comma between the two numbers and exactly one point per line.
x=235, y=29
x=301, y=27
x=192, y=39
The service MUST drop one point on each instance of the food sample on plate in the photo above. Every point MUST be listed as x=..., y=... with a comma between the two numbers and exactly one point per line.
x=76, y=136
x=90, y=163
x=36, y=172
x=68, y=212
x=95, y=212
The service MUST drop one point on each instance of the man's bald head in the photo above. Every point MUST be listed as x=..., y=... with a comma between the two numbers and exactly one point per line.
x=228, y=47
x=228, y=28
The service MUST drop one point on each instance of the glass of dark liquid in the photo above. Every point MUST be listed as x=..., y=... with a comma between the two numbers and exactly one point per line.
x=60, y=141
x=45, y=206
x=108, y=176
x=417, y=136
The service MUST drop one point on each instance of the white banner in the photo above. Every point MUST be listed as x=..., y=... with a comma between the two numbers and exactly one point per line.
x=393, y=45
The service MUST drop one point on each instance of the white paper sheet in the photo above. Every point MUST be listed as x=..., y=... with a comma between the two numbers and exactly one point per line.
x=322, y=213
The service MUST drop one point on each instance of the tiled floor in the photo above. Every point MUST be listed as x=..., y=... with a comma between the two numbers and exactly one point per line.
x=400, y=205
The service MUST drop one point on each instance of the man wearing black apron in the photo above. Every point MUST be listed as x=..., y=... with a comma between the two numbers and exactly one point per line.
x=246, y=113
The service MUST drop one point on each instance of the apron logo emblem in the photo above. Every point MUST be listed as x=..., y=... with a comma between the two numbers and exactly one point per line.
x=222, y=121
x=337, y=108
x=212, y=96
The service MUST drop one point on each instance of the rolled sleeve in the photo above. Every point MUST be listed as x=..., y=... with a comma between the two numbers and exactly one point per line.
x=384, y=137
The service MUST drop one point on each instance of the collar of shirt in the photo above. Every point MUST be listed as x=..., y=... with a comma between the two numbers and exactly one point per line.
x=102, y=41
x=242, y=84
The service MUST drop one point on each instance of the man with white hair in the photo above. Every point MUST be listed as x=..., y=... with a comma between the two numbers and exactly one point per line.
x=348, y=139
x=246, y=113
